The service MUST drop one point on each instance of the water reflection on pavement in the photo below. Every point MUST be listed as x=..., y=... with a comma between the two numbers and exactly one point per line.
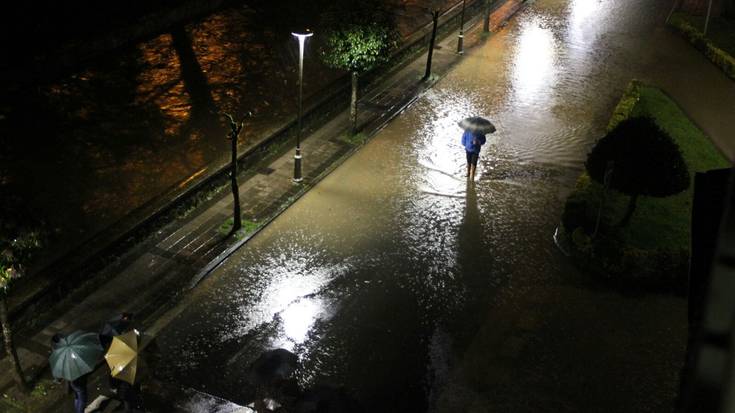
x=418, y=291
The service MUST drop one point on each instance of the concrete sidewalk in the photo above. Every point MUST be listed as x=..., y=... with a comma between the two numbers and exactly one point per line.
x=148, y=279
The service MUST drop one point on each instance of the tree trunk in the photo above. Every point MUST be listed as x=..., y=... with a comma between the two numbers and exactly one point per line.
x=435, y=19
x=195, y=82
x=599, y=214
x=235, y=129
x=486, y=20
x=237, y=216
x=10, y=348
x=353, y=103
x=629, y=213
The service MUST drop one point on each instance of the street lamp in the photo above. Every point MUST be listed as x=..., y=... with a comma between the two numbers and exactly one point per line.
x=460, y=40
x=301, y=36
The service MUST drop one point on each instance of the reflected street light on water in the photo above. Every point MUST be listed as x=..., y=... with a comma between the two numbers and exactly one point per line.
x=301, y=36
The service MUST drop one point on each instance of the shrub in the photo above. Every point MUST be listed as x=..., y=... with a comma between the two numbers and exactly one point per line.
x=625, y=106
x=581, y=240
x=21, y=234
x=644, y=160
x=577, y=208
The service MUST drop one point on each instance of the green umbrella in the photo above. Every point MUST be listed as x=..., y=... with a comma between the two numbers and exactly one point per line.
x=75, y=355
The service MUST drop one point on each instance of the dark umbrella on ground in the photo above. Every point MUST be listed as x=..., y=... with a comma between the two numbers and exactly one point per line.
x=328, y=399
x=476, y=124
x=118, y=325
x=273, y=366
x=270, y=374
x=114, y=327
x=75, y=355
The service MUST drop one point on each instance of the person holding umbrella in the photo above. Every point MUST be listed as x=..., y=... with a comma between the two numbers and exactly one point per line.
x=473, y=138
x=122, y=357
x=114, y=327
x=472, y=143
x=72, y=358
x=79, y=387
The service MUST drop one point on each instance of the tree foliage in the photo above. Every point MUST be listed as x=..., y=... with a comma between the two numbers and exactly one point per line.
x=20, y=235
x=359, y=35
x=646, y=161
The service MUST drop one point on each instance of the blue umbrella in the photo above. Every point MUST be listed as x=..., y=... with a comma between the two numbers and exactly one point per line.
x=75, y=355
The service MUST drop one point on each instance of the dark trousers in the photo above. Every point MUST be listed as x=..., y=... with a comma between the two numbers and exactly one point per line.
x=80, y=395
x=126, y=393
x=472, y=158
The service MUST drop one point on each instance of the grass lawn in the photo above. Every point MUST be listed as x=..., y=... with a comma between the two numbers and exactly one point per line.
x=658, y=223
x=248, y=227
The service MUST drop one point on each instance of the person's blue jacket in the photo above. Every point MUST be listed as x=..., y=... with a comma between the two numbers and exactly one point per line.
x=472, y=142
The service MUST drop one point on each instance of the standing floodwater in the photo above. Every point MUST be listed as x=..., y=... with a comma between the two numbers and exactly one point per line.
x=417, y=291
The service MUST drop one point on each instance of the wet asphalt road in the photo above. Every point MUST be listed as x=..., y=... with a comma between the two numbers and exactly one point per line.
x=418, y=291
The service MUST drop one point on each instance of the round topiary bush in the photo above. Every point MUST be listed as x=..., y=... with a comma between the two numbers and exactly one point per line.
x=639, y=158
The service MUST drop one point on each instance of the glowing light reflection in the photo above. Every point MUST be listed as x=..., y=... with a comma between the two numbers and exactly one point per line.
x=533, y=66
x=580, y=19
x=299, y=318
x=583, y=9
x=294, y=277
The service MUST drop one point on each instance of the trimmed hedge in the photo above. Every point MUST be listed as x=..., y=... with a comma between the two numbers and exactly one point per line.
x=716, y=55
x=624, y=109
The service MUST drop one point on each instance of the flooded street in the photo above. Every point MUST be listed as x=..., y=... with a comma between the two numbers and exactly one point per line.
x=417, y=291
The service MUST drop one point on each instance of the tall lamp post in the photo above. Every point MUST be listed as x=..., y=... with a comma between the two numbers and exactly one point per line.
x=460, y=40
x=301, y=36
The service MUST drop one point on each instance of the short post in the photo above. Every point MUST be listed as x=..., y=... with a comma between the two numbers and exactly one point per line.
x=460, y=39
x=706, y=20
x=297, y=156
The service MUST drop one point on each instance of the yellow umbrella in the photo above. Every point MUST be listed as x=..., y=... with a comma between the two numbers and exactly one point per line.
x=122, y=357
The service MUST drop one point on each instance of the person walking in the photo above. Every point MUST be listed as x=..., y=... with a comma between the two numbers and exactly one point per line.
x=472, y=143
x=78, y=386
x=126, y=393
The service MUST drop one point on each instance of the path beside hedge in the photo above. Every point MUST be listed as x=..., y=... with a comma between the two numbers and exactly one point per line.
x=718, y=45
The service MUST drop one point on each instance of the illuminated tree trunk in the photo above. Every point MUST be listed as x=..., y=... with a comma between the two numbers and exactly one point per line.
x=236, y=215
x=10, y=347
x=435, y=19
x=234, y=134
x=353, y=103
